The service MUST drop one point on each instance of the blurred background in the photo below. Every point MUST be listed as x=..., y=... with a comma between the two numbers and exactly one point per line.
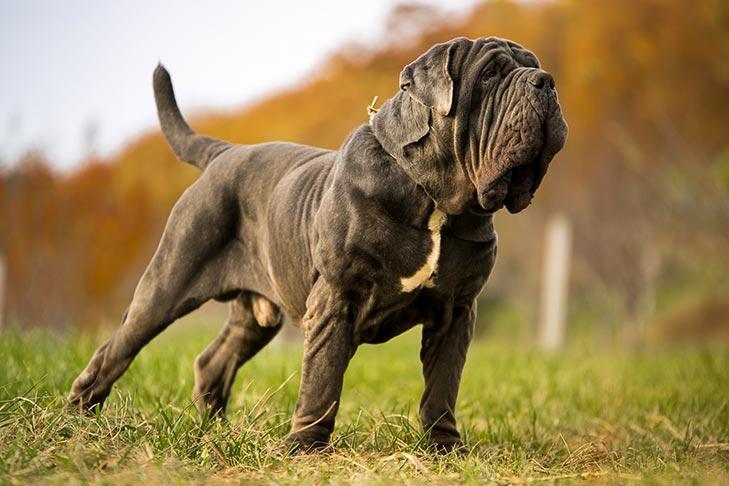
x=626, y=243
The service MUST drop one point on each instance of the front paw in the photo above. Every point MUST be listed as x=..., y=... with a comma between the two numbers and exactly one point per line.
x=84, y=397
x=446, y=444
x=301, y=442
x=89, y=390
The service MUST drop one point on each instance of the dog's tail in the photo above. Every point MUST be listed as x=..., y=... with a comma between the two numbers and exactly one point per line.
x=188, y=146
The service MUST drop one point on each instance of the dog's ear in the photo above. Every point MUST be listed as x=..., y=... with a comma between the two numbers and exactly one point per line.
x=400, y=122
x=427, y=79
x=426, y=85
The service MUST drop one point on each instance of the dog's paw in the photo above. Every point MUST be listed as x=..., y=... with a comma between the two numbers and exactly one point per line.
x=301, y=443
x=447, y=444
x=87, y=406
x=84, y=398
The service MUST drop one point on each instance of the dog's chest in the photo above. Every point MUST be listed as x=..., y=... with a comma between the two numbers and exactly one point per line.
x=425, y=275
x=454, y=245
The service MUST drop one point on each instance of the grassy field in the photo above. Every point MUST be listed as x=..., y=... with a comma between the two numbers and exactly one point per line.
x=661, y=415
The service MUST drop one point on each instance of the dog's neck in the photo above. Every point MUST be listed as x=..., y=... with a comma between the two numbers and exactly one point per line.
x=402, y=126
x=423, y=147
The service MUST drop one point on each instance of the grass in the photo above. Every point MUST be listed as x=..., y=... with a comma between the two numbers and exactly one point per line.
x=659, y=416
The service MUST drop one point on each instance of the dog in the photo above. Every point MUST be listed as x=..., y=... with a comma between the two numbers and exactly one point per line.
x=353, y=246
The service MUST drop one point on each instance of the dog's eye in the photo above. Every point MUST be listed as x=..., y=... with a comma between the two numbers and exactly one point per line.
x=489, y=74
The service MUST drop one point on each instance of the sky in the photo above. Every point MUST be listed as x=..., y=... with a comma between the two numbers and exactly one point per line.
x=77, y=75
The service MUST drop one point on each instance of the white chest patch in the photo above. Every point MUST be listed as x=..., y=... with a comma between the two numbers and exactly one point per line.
x=424, y=275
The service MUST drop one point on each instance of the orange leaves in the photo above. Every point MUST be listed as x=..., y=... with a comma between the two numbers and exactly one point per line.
x=652, y=73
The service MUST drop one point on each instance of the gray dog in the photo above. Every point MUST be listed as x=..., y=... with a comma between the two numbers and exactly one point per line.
x=353, y=246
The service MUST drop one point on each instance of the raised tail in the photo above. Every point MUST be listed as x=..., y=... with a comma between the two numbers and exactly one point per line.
x=188, y=146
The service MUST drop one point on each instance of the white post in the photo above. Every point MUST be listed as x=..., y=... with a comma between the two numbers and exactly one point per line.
x=555, y=282
x=3, y=274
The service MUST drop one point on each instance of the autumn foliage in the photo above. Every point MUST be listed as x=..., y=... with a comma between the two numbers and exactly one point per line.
x=644, y=86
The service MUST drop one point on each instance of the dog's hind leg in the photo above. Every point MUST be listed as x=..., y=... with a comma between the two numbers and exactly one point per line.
x=253, y=321
x=192, y=265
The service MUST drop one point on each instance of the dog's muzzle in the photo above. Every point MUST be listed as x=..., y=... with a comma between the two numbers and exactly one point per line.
x=515, y=185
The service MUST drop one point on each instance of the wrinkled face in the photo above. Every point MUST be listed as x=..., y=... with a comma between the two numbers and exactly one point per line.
x=516, y=126
x=476, y=124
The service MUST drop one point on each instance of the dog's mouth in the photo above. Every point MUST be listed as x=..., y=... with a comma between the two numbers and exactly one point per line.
x=515, y=186
x=491, y=197
x=524, y=182
x=513, y=189
x=511, y=167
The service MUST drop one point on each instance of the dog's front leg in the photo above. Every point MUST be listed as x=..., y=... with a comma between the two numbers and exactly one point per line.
x=328, y=347
x=443, y=354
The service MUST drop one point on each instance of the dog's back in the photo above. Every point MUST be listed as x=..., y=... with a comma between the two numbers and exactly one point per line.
x=277, y=187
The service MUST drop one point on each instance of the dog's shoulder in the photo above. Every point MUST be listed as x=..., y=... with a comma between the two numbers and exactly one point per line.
x=366, y=173
x=373, y=218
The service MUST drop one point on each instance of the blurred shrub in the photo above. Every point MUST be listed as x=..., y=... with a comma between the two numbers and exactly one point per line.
x=706, y=320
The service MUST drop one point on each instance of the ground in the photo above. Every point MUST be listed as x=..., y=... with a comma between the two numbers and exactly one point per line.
x=660, y=415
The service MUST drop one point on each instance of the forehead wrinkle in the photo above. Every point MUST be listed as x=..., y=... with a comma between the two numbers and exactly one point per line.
x=525, y=57
x=516, y=52
x=502, y=56
x=472, y=59
x=497, y=55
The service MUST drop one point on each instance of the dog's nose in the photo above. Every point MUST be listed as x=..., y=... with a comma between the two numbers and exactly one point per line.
x=542, y=80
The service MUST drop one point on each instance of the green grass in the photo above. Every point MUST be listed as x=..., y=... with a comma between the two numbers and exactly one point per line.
x=660, y=416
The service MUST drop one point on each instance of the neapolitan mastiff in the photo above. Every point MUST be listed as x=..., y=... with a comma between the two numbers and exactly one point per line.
x=353, y=246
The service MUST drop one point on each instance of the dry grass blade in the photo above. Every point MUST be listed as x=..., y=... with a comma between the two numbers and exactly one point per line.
x=417, y=464
x=216, y=450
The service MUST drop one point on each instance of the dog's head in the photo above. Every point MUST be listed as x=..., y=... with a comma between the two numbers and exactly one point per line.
x=476, y=123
